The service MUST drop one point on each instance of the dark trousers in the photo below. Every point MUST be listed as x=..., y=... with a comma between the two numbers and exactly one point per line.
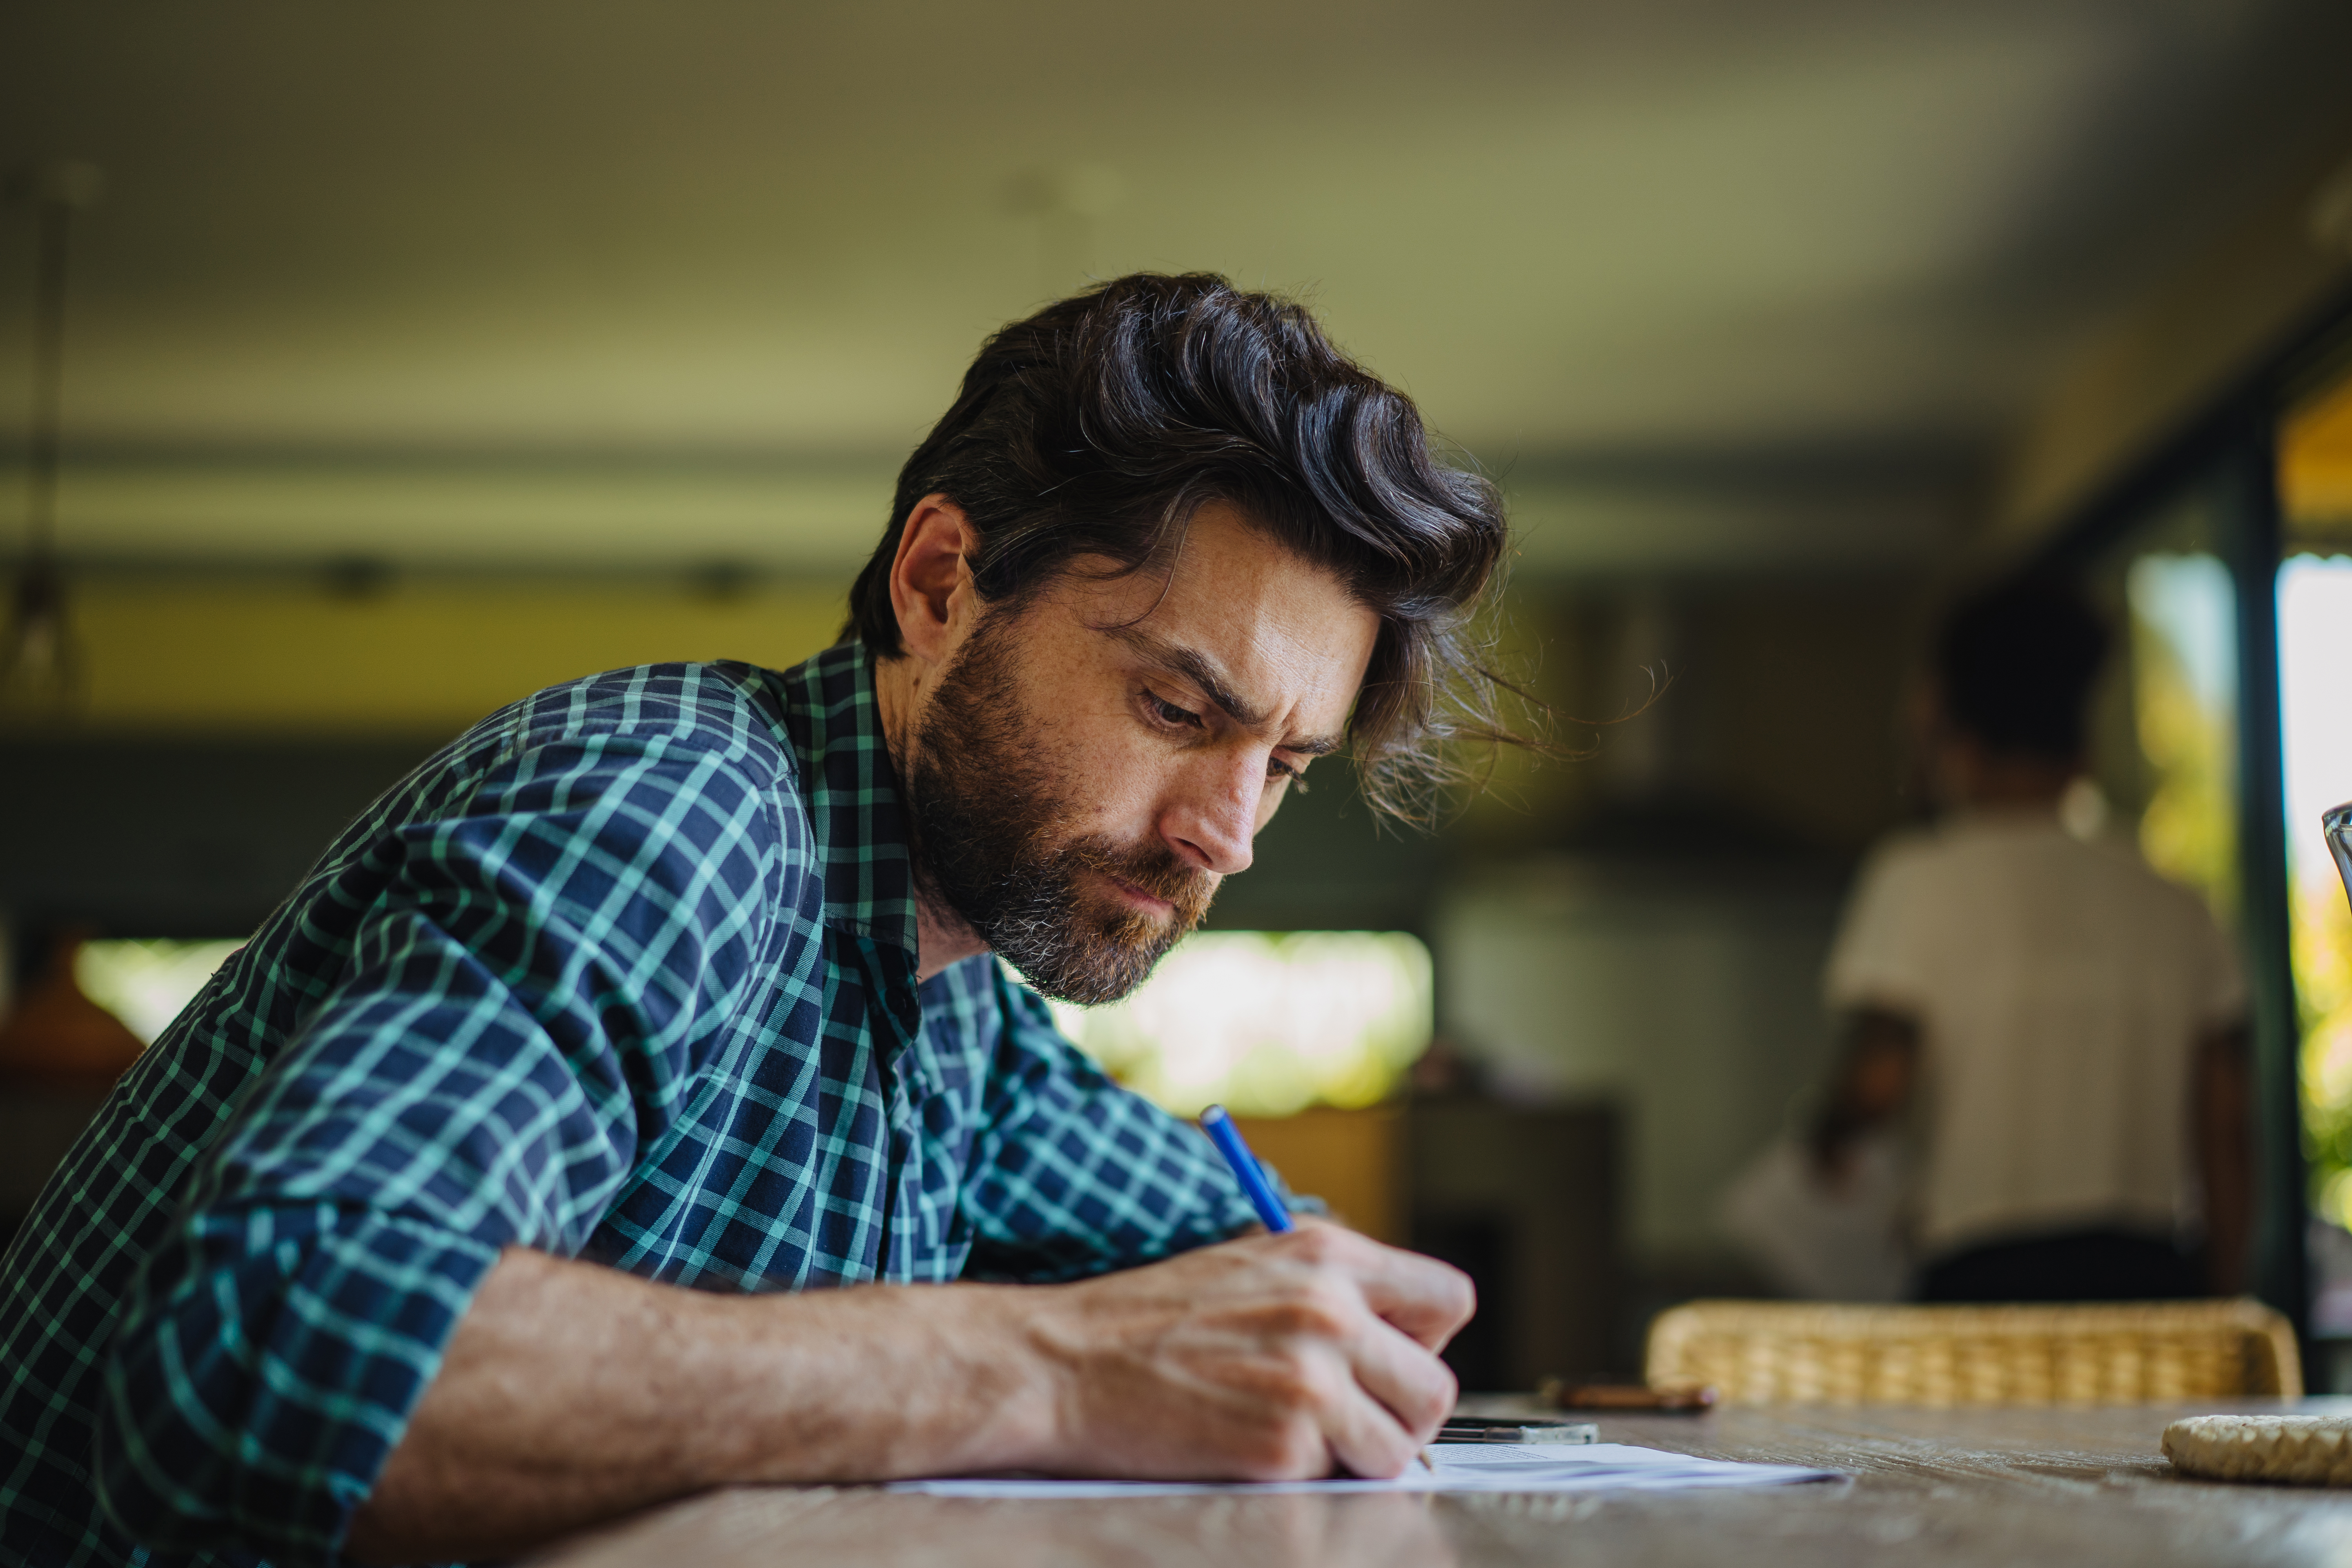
x=2076, y=1266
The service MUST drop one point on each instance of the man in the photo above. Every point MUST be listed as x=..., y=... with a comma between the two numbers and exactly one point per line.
x=688, y=976
x=2073, y=1022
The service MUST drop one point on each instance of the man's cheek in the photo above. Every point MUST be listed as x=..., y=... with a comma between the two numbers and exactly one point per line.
x=1116, y=787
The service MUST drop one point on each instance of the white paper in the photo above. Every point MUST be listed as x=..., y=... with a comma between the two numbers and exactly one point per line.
x=1454, y=1468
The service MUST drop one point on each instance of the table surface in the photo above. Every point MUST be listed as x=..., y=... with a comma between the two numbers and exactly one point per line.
x=1927, y=1487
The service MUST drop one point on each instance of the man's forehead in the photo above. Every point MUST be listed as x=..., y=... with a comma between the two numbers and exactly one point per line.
x=1281, y=634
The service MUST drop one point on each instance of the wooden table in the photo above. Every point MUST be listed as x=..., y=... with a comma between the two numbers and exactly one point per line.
x=2075, y=1487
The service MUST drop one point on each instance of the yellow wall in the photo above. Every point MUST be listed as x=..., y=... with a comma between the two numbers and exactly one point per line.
x=2315, y=464
x=280, y=655
x=1352, y=1160
x=1781, y=698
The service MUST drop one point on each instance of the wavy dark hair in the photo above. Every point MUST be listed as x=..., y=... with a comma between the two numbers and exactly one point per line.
x=1099, y=426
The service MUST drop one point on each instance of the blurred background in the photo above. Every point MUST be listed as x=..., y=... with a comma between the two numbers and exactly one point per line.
x=400, y=361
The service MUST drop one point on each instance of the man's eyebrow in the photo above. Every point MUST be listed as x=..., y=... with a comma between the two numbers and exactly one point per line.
x=1201, y=671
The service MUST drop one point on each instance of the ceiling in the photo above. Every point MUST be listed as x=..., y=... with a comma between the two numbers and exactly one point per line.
x=1708, y=281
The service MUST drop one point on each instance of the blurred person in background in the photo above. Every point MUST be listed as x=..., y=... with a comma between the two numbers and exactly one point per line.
x=2062, y=1028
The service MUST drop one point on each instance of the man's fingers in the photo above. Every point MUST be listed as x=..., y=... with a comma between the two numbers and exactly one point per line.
x=1428, y=1300
x=1412, y=1384
x=1393, y=1398
x=1365, y=1438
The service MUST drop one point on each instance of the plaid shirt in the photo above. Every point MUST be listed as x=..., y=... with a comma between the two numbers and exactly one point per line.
x=627, y=973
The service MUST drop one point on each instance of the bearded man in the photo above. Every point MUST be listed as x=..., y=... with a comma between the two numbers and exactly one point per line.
x=488, y=1191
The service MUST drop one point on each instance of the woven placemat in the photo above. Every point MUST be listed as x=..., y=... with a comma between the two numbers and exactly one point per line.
x=2307, y=1450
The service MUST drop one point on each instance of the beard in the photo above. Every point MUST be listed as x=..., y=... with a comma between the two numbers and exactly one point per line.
x=990, y=831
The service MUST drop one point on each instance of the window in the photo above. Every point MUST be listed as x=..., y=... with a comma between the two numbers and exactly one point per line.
x=146, y=984
x=1266, y=1023
x=2183, y=653
x=2316, y=686
x=2314, y=607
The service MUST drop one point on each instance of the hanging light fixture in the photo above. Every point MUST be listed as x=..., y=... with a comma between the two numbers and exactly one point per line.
x=40, y=661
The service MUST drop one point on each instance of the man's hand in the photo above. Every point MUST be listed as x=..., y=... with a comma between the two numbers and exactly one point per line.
x=571, y=1392
x=1275, y=1358
x=1873, y=1086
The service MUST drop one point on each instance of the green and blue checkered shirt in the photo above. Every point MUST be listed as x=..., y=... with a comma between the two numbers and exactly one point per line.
x=625, y=973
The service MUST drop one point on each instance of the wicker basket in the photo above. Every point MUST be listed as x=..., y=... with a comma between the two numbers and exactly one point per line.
x=1775, y=1352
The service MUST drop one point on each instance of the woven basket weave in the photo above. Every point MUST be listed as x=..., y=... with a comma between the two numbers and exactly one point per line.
x=1777, y=1353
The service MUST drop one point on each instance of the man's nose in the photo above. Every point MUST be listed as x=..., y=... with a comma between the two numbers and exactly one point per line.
x=1212, y=824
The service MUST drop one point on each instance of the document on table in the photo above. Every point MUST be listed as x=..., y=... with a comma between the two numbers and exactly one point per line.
x=1454, y=1468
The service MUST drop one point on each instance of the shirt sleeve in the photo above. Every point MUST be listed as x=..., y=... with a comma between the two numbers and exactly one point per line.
x=1075, y=1175
x=1874, y=960
x=541, y=966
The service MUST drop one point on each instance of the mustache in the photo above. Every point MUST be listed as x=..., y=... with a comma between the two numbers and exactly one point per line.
x=1157, y=870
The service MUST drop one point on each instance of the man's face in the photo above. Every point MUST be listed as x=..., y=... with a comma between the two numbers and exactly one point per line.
x=1087, y=770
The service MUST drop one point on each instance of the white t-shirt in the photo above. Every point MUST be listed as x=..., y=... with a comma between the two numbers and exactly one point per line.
x=2060, y=988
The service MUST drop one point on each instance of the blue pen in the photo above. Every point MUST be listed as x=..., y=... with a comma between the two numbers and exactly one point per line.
x=1246, y=1170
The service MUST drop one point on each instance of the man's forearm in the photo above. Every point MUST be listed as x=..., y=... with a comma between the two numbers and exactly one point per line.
x=573, y=1393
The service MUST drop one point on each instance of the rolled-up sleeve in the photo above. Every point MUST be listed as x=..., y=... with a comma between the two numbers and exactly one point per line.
x=1075, y=1174
x=534, y=981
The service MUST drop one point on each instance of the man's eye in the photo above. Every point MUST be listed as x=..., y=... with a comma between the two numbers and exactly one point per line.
x=1172, y=714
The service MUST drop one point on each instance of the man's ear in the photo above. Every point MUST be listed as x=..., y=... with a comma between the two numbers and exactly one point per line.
x=928, y=580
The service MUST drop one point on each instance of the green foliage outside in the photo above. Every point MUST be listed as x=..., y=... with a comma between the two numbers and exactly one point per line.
x=2188, y=831
x=2323, y=983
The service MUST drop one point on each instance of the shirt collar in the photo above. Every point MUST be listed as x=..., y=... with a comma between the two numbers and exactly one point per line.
x=852, y=790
